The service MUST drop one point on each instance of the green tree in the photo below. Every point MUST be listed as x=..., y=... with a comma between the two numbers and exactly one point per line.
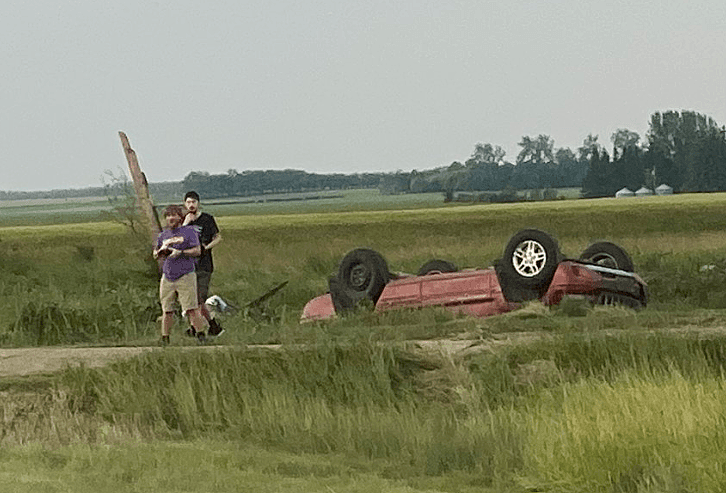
x=589, y=148
x=623, y=139
x=599, y=179
x=538, y=150
x=690, y=146
x=486, y=154
x=482, y=167
x=535, y=162
x=628, y=169
x=569, y=171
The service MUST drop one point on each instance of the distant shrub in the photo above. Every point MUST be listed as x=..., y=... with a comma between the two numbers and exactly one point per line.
x=535, y=195
x=507, y=195
x=549, y=194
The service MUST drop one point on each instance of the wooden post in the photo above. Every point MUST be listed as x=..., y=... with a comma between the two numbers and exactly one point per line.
x=143, y=198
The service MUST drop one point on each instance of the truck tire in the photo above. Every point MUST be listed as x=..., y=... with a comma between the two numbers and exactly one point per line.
x=362, y=275
x=608, y=254
x=530, y=259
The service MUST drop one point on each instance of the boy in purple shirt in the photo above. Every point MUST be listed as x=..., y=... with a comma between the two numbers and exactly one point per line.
x=180, y=245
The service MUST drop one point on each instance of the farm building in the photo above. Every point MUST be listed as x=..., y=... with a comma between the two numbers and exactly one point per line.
x=664, y=189
x=643, y=192
x=624, y=192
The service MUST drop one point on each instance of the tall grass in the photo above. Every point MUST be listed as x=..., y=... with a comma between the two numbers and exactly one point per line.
x=599, y=402
x=574, y=413
x=95, y=276
x=658, y=432
x=87, y=284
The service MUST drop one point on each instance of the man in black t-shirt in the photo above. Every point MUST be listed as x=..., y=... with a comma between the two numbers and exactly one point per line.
x=209, y=237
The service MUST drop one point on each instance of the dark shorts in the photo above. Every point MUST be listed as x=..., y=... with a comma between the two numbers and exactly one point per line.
x=203, y=278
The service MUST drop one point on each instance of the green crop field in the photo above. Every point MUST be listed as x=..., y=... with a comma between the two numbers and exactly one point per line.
x=567, y=399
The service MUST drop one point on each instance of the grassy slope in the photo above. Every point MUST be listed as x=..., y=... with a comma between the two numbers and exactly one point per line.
x=584, y=411
x=669, y=238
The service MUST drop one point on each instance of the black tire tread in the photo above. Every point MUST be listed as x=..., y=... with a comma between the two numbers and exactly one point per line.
x=618, y=253
x=437, y=265
x=346, y=297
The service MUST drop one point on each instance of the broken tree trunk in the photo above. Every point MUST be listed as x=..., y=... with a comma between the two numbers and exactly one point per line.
x=143, y=198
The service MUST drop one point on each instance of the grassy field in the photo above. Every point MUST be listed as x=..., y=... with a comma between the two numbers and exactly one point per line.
x=610, y=400
x=96, y=209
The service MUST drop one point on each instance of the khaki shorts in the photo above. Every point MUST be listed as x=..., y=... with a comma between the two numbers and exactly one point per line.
x=186, y=289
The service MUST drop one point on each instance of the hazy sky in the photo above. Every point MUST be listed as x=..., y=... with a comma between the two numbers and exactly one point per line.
x=336, y=85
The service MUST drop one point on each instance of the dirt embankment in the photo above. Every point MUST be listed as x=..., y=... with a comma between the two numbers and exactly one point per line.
x=18, y=362
x=30, y=361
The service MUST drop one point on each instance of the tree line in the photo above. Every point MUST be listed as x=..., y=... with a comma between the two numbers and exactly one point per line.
x=117, y=186
x=685, y=150
x=258, y=182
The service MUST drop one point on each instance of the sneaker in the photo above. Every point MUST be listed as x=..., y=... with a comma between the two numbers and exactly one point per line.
x=164, y=341
x=191, y=332
x=215, y=330
x=201, y=338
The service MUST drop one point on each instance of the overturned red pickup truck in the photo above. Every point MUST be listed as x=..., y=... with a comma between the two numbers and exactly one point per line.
x=531, y=268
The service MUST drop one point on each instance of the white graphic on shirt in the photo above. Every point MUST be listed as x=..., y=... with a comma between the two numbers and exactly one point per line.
x=174, y=240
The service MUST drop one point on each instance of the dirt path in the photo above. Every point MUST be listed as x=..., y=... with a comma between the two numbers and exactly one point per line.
x=18, y=362
x=30, y=361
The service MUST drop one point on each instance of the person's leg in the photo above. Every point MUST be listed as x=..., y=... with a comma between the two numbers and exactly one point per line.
x=202, y=290
x=197, y=320
x=187, y=288
x=167, y=294
x=167, y=320
x=215, y=329
x=203, y=280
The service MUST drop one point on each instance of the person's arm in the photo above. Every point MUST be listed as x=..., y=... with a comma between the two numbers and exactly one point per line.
x=195, y=251
x=217, y=238
x=157, y=248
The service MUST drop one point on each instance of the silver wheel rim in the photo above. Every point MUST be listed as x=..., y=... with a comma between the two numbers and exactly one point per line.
x=359, y=277
x=529, y=258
